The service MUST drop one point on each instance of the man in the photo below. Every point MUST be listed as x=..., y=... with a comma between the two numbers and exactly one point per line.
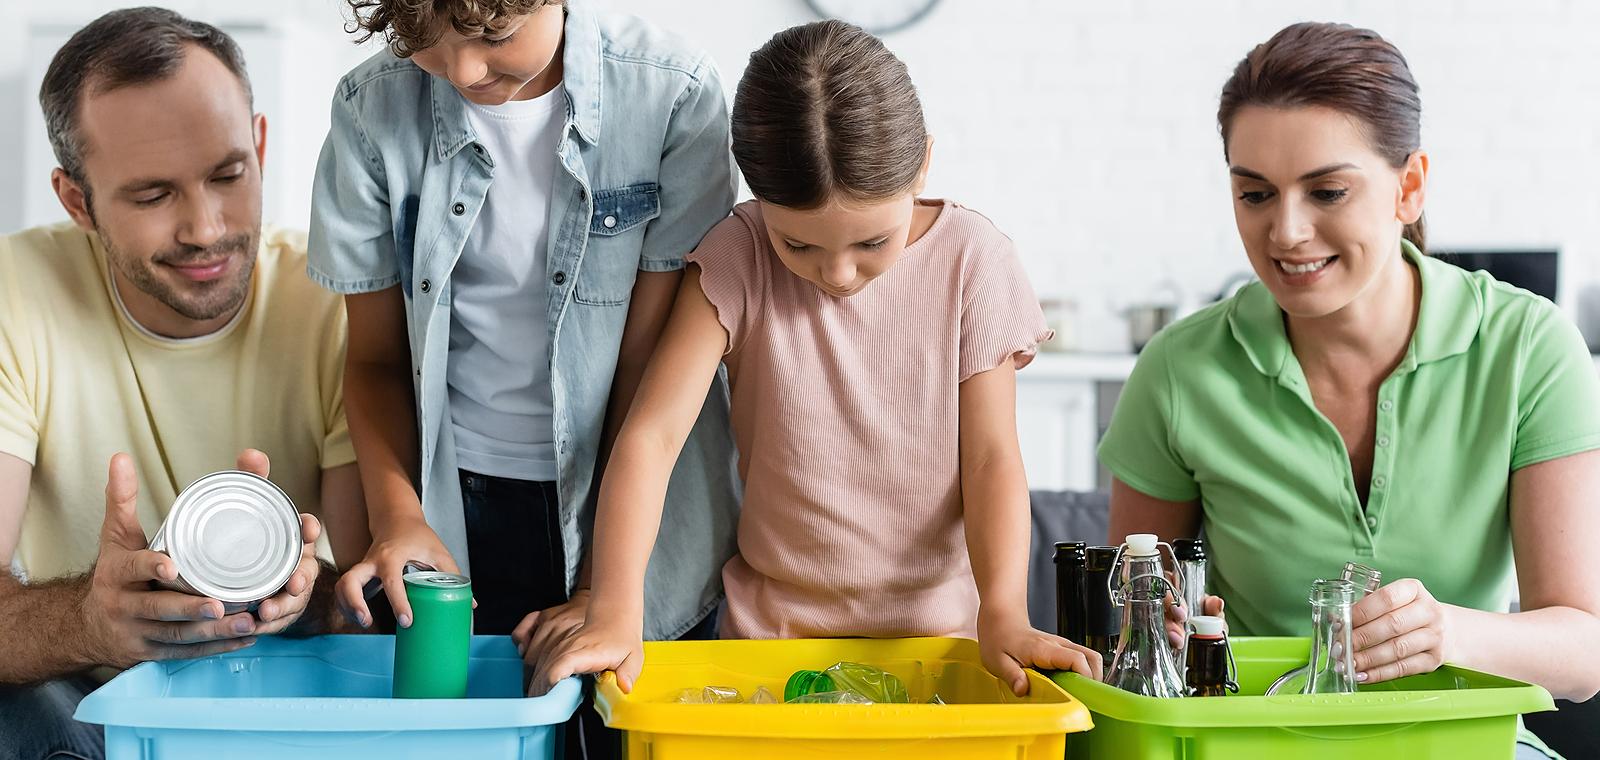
x=164, y=323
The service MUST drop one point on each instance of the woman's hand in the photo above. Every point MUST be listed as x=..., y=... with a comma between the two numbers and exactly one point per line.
x=1399, y=630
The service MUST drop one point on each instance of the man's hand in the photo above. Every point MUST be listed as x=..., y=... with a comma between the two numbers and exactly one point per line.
x=126, y=622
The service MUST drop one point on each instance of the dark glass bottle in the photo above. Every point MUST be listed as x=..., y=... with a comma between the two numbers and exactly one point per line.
x=1206, y=663
x=1071, y=607
x=1102, y=622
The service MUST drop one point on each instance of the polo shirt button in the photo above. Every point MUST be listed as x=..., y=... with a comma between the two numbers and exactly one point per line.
x=559, y=278
x=1378, y=482
x=1386, y=405
x=609, y=222
x=426, y=286
x=1383, y=440
x=1372, y=523
x=458, y=209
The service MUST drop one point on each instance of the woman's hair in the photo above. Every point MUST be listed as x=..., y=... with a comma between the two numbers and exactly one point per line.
x=825, y=108
x=1337, y=66
x=411, y=26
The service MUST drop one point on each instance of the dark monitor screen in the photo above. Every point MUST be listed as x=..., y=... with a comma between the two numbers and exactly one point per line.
x=1532, y=270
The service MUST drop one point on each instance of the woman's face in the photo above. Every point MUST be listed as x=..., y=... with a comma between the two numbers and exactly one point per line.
x=1320, y=213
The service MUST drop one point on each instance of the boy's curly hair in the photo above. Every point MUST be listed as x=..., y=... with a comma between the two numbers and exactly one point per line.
x=413, y=25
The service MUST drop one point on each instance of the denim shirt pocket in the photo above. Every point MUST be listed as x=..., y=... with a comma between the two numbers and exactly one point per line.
x=616, y=238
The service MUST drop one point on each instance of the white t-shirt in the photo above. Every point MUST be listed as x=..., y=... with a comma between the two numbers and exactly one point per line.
x=499, y=368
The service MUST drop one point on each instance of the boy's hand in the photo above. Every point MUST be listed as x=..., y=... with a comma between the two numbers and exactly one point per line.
x=540, y=631
x=408, y=540
x=1010, y=644
x=599, y=645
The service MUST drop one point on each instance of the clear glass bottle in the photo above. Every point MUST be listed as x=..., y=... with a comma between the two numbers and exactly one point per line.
x=1145, y=663
x=1331, y=669
x=1365, y=580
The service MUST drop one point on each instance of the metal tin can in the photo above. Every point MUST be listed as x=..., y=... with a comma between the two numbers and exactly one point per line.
x=430, y=657
x=235, y=538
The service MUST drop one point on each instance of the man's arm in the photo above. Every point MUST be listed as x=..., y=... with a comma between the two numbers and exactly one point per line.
x=109, y=616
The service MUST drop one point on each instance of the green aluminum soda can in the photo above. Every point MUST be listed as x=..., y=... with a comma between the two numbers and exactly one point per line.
x=430, y=657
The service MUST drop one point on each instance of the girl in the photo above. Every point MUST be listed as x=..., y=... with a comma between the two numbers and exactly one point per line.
x=872, y=340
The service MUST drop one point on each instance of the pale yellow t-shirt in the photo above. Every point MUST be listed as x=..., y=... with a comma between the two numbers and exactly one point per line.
x=80, y=381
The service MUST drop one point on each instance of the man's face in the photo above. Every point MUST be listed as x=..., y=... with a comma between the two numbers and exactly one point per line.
x=173, y=169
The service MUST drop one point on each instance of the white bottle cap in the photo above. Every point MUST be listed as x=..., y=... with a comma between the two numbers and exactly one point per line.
x=1142, y=544
x=1207, y=625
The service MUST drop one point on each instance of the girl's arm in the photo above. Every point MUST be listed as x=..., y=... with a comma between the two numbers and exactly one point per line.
x=1401, y=629
x=380, y=407
x=994, y=496
x=628, y=516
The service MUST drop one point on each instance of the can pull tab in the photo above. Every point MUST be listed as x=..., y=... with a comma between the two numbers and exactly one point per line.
x=375, y=584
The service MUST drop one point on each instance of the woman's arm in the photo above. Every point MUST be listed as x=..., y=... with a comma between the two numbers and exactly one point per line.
x=1401, y=629
x=1135, y=512
x=994, y=498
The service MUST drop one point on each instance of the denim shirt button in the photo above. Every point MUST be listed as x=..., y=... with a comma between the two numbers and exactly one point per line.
x=609, y=221
x=458, y=209
x=559, y=278
x=426, y=286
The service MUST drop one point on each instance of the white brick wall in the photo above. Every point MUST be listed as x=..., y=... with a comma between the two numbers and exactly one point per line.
x=1087, y=130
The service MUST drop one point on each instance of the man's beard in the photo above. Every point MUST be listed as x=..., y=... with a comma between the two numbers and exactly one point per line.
x=205, y=300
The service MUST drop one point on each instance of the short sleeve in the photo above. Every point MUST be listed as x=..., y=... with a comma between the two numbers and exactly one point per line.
x=19, y=420
x=696, y=177
x=1558, y=392
x=337, y=450
x=1140, y=446
x=733, y=275
x=1000, y=316
x=351, y=239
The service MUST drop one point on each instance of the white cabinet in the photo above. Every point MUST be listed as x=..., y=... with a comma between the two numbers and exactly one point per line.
x=1062, y=405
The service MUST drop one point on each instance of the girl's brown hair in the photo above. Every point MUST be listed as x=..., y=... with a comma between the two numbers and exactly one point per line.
x=825, y=108
x=1337, y=66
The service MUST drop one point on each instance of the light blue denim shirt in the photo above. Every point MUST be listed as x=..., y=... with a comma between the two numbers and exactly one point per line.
x=644, y=172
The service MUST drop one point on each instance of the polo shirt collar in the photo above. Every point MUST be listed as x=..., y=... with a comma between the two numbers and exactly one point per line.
x=1447, y=321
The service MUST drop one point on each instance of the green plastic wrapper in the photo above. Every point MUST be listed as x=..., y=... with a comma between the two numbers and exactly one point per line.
x=872, y=684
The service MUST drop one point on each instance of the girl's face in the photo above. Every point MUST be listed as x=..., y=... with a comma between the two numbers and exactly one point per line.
x=844, y=244
x=518, y=61
x=1319, y=211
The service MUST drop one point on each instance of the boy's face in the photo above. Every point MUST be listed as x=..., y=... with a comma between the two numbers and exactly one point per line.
x=519, y=61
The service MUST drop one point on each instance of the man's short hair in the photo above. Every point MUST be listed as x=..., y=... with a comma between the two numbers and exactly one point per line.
x=120, y=49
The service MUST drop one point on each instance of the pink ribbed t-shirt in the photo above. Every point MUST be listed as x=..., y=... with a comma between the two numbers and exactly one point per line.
x=846, y=414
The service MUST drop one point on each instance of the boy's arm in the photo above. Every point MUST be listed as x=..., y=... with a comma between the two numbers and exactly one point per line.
x=381, y=409
x=994, y=497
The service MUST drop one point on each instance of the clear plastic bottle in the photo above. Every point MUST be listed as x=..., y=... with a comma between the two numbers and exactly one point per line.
x=1145, y=663
x=1332, y=670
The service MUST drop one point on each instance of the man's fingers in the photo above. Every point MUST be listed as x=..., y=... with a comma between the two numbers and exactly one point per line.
x=310, y=530
x=121, y=526
x=206, y=649
x=254, y=462
x=173, y=606
x=231, y=627
x=143, y=565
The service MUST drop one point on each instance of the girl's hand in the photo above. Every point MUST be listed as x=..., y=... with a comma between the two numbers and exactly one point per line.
x=1177, y=616
x=1399, y=630
x=408, y=540
x=609, y=642
x=1010, y=644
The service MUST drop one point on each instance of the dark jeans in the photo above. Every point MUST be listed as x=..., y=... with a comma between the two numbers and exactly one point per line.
x=36, y=722
x=519, y=566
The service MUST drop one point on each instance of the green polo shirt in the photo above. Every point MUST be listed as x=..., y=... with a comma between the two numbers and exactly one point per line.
x=1218, y=409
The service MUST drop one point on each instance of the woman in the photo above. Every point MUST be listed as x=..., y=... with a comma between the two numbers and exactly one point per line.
x=1364, y=402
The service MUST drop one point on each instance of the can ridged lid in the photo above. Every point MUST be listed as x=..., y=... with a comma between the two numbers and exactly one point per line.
x=437, y=580
x=234, y=536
